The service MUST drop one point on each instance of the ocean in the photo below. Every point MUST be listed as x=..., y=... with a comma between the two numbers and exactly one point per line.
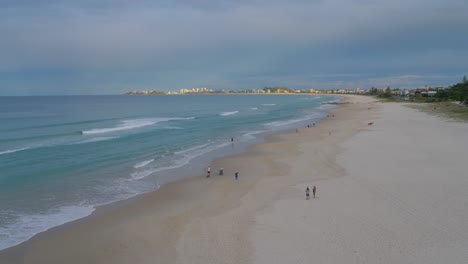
x=61, y=156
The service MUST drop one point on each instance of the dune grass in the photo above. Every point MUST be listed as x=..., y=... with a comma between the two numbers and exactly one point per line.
x=448, y=110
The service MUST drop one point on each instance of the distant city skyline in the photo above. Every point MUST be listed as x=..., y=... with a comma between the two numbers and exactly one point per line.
x=65, y=47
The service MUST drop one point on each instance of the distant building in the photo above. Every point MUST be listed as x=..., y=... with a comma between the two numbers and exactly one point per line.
x=428, y=93
x=196, y=90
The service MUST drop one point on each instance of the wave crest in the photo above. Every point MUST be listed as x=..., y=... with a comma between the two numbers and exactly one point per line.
x=229, y=113
x=12, y=151
x=143, y=163
x=132, y=124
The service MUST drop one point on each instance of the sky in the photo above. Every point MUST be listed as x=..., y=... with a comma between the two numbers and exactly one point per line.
x=68, y=47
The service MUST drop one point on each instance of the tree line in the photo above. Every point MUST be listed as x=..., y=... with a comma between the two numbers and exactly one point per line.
x=386, y=93
x=456, y=92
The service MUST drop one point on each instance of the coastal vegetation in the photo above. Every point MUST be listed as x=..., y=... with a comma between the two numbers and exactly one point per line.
x=449, y=110
x=449, y=102
x=382, y=93
x=457, y=93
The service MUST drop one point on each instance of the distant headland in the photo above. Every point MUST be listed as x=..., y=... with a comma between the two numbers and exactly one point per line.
x=457, y=92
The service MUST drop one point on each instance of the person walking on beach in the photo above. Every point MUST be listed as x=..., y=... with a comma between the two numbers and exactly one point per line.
x=221, y=171
x=314, y=190
x=208, y=172
x=236, y=175
x=307, y=193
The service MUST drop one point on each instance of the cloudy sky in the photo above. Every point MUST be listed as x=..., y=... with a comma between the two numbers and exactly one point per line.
x=113, y=46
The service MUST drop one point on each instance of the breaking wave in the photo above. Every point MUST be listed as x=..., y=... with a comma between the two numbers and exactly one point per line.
x=131, y=124
x=229, y=113
x=12, y=151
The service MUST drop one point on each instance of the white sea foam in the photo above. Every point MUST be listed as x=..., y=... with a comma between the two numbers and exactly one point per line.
x=27, y=226
x=132, y=124
x=143, y=163
x=229, y=113
x=138, y=175
x=330, y=102
x=251, y=134
x=190, y=149
x=181, y=158
x=12, y=151
x=292, y=121
x=30, y=225
x=327, y=106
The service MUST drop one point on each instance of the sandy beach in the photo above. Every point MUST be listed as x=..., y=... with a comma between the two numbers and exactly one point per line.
x=391, y=192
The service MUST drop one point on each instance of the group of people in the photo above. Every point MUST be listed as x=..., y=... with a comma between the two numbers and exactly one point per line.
x=308, y=126
x=220, y=172
x=314, y=191
x=236, y=175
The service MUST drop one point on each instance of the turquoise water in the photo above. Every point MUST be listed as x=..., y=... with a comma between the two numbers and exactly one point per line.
x=62, y=156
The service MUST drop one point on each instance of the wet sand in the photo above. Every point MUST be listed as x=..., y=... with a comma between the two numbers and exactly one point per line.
x=375, y=201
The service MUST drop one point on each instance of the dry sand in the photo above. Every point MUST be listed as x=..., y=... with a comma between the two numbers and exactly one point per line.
x=394, y=192
x=403, y=198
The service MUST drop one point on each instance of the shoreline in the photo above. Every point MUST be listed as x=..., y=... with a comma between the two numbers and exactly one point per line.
x=393, y=191
x=173, y=198
x=183, y=172
x=180, y=172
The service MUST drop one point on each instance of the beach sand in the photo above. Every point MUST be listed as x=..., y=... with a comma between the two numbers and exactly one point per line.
x=393, y=192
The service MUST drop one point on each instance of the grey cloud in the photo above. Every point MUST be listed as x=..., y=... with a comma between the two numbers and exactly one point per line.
x=78, y=38
x=232, y=38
